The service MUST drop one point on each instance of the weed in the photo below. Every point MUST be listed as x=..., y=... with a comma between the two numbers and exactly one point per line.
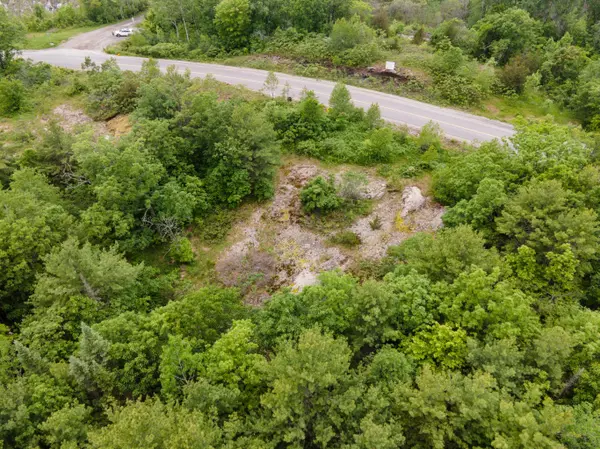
x=346, y=238
x=375, y=223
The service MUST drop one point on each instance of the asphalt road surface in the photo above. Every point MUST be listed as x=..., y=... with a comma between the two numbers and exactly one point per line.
x=398, y=110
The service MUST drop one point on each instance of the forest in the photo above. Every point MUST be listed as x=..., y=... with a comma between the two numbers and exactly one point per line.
x=116, y=330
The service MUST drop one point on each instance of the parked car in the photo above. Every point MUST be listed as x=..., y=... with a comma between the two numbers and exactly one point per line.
x=123, y=32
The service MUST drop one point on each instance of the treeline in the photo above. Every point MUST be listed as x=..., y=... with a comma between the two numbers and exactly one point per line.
x=83, y=12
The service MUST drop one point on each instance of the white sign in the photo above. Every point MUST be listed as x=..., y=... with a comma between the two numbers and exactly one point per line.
x=390, y=65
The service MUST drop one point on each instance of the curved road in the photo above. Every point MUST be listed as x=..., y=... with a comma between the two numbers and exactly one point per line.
x=398, y=110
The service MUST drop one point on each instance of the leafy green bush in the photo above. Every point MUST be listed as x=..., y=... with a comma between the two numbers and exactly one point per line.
x=360, y=56
x=320, y=195
x=112, y=91
x=347, y=34
x=181, y=250
x=12, y=96
x=215, y=227
x=515, y=73
x=456, y=31
x=458, y=90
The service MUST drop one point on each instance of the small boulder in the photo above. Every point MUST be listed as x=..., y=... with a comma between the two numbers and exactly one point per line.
x=306, y=278
x=412, y=200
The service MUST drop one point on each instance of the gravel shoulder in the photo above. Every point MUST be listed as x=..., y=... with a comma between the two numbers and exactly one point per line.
x=101, y=38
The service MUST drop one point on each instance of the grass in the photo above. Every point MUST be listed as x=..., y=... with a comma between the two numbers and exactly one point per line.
x=53, y=38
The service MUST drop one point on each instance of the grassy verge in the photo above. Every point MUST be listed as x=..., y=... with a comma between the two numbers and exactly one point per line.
x=53, y=38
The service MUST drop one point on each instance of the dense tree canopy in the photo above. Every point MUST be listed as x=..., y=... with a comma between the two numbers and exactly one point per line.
x=117, y=332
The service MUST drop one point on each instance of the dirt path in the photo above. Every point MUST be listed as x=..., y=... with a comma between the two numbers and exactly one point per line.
x=99, y=39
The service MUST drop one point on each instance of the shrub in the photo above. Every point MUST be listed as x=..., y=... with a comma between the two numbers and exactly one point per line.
x=112, y=91
x=359, y=56
x=458, y=90
x=347, y=34
x=181, y=250
x=12, y=96
x=456, y=31
x=430, y=136
x=378, y=147
x=346, y=238
x=419, y=36
x=514, y=74
x=320, y=195
x=215, y=227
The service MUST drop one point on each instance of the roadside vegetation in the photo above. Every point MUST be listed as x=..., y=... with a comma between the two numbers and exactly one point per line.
x=159, y=284
x=501, y=59
x=46, y=29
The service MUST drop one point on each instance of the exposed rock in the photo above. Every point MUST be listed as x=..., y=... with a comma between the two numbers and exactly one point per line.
x=375, y=190
x=299, y=175
x=412, y=199
x=70, y=118
x=306, y=278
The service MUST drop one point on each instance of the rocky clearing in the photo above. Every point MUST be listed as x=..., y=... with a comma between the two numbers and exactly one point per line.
x=273, y=248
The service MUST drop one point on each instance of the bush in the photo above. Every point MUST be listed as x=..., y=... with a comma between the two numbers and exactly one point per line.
x=181, y=250
x=378, y=147
x=348, y=34
x=215, y=227
x=458, y=90
x=359, y=56
x=456, y=31
x=165, y=50
x=320, y=195
x=514, y=74
x=12, y=96
x=346, y=238
x=112, y=91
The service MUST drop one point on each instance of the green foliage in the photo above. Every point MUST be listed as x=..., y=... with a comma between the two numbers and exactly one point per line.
x=232, y=21
x=515, y=73
x=539, y=216
x=587, y=98
x=12, y=97
x=181, y=250
x=67, y=426
x=32, y=222
x=71, y=270
x=346, y=238
x=456, y=31
x=453, y=251
x=111, y=92
x=505, y=34
x=106, y=11
x=11, y=34
x=173, y=428
x=482, y=334
x=320, y=195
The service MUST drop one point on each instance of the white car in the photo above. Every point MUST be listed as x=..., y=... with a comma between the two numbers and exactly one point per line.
x=123, y=32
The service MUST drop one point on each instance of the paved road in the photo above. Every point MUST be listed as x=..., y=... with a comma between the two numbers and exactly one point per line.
x=398, y=110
